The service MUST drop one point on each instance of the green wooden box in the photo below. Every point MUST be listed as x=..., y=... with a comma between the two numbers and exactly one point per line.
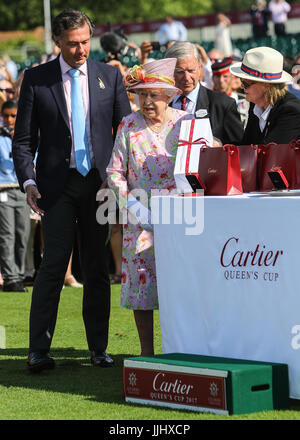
x=206, y=383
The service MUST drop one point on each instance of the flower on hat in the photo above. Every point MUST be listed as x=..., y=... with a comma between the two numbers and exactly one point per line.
x=154, y=74
x=134, y=76
x=138, y=75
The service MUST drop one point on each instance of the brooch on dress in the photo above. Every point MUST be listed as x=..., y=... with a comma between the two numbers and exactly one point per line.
x=101, y=85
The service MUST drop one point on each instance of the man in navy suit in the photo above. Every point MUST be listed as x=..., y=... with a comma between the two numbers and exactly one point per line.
x=52, y=120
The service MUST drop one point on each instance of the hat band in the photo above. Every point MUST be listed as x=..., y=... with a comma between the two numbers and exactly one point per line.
x=221, y=72
x=136, y=75
x=257, y=74
x=160, y=78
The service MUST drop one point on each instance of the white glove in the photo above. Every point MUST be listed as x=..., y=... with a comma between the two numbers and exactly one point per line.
x=140, y=213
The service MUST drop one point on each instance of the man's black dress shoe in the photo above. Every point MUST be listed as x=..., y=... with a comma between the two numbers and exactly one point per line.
x=101, y=359
x=38, y=361
x=14, y=287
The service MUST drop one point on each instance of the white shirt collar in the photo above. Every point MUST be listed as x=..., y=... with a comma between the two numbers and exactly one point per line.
x=192, y=96
x=262, y=115
x=65, y=67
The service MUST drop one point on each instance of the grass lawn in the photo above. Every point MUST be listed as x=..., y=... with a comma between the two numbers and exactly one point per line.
x=76, y=390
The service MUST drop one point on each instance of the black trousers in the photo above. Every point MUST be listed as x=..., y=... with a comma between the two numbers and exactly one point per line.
x=279, y=29
x=74, y=211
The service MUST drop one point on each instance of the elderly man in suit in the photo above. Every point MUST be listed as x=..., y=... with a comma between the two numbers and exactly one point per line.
x=69, y=109
x=221, y=110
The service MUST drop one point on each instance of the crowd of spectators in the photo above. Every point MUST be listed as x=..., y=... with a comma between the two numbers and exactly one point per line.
x=276, y=11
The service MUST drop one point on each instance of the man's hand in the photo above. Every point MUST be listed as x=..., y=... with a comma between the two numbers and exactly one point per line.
x=146, y=49
x=203, y=54
x=32, y=196
x=217, y=142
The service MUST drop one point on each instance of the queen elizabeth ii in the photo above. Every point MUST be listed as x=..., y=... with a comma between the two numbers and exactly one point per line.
x=143, y=158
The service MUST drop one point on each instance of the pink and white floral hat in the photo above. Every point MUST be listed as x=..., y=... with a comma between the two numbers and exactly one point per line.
x=158, y=74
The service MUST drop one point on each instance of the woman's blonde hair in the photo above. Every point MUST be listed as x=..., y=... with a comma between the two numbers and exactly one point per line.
x=275, y=92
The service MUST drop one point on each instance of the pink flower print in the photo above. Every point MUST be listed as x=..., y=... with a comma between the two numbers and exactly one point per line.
x=144, y=282
x=146, y=170
x=121, y=125
x=142, y=278
x=127, y=242
x=136, y=135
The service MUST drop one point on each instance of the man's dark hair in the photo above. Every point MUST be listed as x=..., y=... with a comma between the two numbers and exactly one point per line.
x=11, y=103
x=70, y=19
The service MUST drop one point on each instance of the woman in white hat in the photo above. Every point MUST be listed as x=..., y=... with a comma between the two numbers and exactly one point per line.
x=274, y=114
x=143, y=159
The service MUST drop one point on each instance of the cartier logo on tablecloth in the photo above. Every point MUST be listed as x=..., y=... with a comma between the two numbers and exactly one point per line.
x=242, y=263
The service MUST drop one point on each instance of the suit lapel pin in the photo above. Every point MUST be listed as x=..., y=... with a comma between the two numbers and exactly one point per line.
x=101, y=85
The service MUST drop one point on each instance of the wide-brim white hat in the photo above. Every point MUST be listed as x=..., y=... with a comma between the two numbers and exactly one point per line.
x=262, y=64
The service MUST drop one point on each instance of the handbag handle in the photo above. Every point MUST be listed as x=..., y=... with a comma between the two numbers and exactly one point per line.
x=264, y=147
x=233, y=147
x=230, y=148
x=204, y=148
x=295, y=144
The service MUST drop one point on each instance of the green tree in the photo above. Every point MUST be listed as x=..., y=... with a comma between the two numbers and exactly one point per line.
x=28, y=14
x=122, y=11
x=20, y=14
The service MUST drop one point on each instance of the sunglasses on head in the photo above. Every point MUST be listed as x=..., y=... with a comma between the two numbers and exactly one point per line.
x=247, y=84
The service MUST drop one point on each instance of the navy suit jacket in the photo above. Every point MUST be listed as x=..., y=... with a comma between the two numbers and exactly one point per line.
x=42, y=125
x=282, y=125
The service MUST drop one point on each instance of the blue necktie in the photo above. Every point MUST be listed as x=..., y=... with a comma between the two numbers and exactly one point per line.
x=82, y=155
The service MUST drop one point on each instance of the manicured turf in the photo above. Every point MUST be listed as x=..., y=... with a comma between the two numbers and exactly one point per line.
x=75, y=390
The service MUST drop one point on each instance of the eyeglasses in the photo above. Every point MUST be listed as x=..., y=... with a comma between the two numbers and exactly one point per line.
x=246, y=84
x=7, y=90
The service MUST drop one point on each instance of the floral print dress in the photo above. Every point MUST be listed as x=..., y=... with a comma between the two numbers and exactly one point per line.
x=142, y=159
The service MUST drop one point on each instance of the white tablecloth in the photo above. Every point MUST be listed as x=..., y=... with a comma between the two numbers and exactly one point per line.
x=234, y=289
